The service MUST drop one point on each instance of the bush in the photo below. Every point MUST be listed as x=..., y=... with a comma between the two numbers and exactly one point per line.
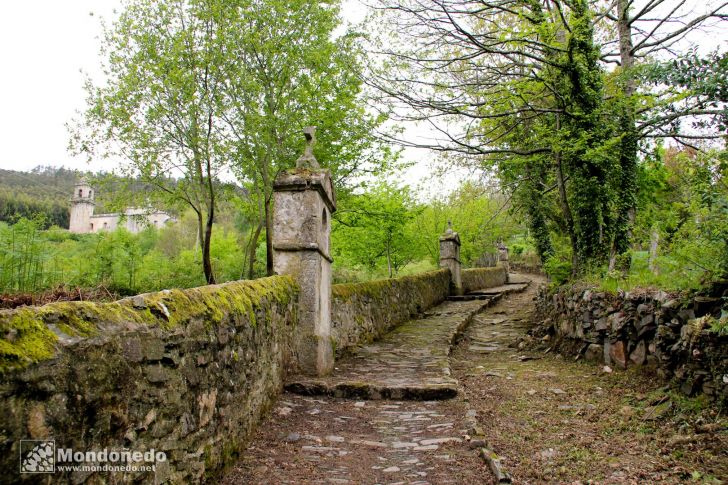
x=558, y=269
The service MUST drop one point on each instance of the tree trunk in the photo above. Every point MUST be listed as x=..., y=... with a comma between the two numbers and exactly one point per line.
x=199, y=238
x=389, y=260
x=252, y=249
x=566, y=209
x=627, y=188
x=206, y=261
x=268, y=237
x=654, y=242
x=534, y=208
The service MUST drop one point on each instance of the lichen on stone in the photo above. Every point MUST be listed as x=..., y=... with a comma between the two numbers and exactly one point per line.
x=376, y=288
x=26, y=335
x=479, y=278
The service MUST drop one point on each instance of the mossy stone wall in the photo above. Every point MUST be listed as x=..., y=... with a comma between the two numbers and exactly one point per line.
x=482, y=278
x=361, y=312
x=187, y=372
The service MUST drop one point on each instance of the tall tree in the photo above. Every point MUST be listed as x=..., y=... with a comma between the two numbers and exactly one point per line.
x=516, y=85
x=160, y=108
x=198, y=88
x=293, y=69
x=521, y=85
x=638, y=33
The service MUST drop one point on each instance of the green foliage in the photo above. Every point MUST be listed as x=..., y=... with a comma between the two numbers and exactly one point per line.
x=583, y=140
x=23, y=263
x=373, y=229
x=684, y=198
x=704, y=77
x=277, y=85
x=478, y=214
x=559, y=265
x=558, y=269
x=32, y=259
x=43, y=191
x=720, y=326
x=385, y=229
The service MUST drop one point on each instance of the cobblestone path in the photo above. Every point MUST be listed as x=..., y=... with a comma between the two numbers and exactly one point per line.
x=412, y=361
x=549, y=419
x=390, y=413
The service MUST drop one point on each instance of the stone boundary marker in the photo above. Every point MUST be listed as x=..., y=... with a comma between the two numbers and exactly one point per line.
x=450, y=258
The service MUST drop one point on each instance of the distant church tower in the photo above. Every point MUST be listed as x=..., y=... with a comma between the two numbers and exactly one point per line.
x=82, y=207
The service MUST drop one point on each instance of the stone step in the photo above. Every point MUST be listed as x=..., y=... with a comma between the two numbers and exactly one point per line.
x=469, y=297
x=447, y=388
x=496, y=292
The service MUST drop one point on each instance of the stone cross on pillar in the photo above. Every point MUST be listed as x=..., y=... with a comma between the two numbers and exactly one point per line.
x=304, y=200
x=307, y=160
x=450, y=258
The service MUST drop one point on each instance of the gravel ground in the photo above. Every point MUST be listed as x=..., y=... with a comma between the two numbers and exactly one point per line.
x=329, y=440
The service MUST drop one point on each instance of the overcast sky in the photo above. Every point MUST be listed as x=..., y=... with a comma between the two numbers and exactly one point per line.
x=45, y=46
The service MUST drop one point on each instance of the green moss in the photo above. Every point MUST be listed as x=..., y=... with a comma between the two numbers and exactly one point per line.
x=377, y=288
x=230, y=452
x=719, y=326
x=67, y=329
x=210, y=461
x=26, y=338
x=479, y=278
x=25, y=335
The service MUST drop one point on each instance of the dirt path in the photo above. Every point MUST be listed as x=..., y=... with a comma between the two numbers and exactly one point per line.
x=554, y=420
x=551, y=420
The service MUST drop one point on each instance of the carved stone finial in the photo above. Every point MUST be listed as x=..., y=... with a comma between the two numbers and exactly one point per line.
x=307, y=160
x=449, y=228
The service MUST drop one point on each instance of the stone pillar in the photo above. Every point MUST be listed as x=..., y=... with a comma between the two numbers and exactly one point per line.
x=304, y=200
x=450, y=258
x=503, y=257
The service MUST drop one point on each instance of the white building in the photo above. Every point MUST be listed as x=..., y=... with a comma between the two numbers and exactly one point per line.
x=83, y=219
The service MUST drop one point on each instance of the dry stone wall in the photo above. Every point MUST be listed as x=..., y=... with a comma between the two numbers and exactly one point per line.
x=364, y=311
x=184, y=372
x=670, y=333
x=481, y=278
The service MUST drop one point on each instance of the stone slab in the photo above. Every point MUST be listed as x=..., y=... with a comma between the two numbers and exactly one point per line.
x=508, y=288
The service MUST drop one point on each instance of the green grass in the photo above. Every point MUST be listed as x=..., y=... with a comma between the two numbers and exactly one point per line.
x=671, y=275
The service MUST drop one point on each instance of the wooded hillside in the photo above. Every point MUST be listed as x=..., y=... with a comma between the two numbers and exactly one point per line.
x=44, y=190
